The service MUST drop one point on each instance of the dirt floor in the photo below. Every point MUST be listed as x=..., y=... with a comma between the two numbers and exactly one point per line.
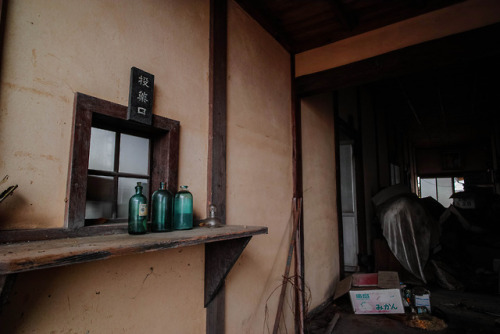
x=462, y=313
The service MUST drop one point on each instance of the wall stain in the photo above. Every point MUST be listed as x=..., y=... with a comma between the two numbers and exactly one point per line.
x=34, y=91
x=23, y=154
x=33, y=57
x=49, y=157
x=32, y=156
x=148, y=274
x=46, y=82
x=53, y=55
x=28, y=167
x=26, y=89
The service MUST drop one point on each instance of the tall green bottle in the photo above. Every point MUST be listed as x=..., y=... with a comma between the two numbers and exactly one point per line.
x=137, y=212
x=183, y=209
x=162, y=210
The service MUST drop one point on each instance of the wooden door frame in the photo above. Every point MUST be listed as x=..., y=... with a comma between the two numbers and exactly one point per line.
x=342, y=126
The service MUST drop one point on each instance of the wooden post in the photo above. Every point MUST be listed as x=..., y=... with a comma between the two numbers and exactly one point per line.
x=337, y=177
x=297, y=193
x=216, y=181
x=299, y=280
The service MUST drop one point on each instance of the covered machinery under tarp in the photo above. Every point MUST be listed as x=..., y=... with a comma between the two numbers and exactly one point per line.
x=411, y=232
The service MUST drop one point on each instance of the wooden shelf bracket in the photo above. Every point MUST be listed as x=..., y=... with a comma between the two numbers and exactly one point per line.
x=220, y=257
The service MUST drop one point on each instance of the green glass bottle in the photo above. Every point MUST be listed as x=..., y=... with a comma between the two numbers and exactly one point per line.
x=161, y=210
x=183, y=209
x=137, y=212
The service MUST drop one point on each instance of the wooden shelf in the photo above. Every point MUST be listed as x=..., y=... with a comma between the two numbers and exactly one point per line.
x=27, y=256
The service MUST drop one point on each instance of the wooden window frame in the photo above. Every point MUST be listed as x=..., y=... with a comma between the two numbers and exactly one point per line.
x=91, y=111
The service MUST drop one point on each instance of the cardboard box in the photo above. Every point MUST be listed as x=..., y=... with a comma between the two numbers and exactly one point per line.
x=423, y=300
x=374, y=293
x=464, y=203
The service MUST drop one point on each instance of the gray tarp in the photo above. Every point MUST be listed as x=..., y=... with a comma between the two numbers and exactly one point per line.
x=409, y=230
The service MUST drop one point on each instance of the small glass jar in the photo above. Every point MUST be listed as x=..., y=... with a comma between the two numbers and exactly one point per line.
x=183, y=209
x=137, y=212
x=161, y=210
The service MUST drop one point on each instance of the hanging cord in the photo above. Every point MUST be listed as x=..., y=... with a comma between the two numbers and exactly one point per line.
x=290, y=297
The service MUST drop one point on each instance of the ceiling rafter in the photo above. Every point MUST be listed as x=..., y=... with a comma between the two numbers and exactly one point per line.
x=347, y=20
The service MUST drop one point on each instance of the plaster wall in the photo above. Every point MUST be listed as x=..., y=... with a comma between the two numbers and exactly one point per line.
x=464, y=16
x=52, y=50
x=259, y=171
x=56, y=48
x=320, y=205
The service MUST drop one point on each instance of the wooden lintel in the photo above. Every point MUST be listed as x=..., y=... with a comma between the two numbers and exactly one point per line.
x=452, y=50
x=219, y=259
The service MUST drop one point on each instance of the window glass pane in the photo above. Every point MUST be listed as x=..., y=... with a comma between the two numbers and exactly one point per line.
x=100, y=197
x=395, y=175
x=126, y=189
x=428, y=188
x=134, y=154
x=444, y=191
x=102, y=149
x=459, y=184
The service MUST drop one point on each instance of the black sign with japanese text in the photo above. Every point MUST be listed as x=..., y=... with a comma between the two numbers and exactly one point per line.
x=140, y=100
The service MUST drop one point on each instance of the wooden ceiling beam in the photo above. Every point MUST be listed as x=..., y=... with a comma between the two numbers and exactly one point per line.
x=457, y=49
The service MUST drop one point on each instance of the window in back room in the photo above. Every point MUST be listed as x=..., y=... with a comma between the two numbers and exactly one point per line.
x=440, y=188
